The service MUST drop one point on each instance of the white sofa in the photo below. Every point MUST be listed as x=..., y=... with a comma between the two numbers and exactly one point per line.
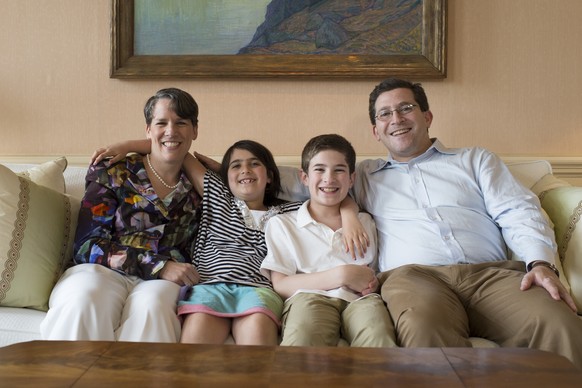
x=45, y=217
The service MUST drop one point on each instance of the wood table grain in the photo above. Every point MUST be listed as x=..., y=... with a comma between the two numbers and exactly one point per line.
x=126, y=364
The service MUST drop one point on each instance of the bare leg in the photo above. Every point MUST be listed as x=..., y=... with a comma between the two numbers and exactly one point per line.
x=200, y=328
x=255, y=329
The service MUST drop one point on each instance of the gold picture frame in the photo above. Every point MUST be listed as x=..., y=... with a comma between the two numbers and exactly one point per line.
x=430, y=64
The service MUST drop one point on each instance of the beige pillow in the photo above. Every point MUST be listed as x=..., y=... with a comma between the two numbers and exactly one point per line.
x=37, y=227
x=564, y=206
x=49, y=174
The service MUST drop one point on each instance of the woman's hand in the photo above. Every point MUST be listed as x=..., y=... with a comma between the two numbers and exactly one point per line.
x=209, y=163
x=183, y=274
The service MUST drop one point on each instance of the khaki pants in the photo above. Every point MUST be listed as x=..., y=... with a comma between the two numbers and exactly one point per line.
x=317, y=320
x=442, y=306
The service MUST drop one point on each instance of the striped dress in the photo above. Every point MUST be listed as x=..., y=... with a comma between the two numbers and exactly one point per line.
x=228, y=247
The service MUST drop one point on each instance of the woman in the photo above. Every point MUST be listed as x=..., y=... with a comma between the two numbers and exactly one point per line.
x=133, y=245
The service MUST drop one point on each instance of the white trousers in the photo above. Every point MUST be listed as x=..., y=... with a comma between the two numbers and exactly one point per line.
x=91, y=302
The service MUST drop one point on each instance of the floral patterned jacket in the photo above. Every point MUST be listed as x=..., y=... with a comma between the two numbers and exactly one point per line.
x=125, y=226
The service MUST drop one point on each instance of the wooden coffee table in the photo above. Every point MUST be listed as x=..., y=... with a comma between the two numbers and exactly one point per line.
x=99, y=364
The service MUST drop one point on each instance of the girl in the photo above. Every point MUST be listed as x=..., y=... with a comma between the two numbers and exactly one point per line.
x=233, y=296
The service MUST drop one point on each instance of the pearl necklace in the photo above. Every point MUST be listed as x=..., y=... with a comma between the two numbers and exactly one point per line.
x=158, y=176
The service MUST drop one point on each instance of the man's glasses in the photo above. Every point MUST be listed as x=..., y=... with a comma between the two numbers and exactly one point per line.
x=386, y=115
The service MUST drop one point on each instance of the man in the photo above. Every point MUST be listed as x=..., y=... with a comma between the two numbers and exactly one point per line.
x=446, y=220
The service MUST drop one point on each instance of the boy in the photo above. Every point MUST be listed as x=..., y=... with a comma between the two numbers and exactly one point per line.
x=328, y=294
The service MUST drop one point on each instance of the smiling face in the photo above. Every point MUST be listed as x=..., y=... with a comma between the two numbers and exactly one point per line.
x=248, y=178
x=404, y=135
x=328, y=179
x=171, y=135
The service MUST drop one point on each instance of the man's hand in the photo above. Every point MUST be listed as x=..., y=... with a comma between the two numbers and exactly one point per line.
x=183, y=274
x=543, y=276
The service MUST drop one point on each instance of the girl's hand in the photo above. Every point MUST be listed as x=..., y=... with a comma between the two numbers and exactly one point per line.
x=355, y=237
x=118, y=151
x=115, y=151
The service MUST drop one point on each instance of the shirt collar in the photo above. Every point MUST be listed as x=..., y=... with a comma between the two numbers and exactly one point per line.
x=436, y=146
x=303, y=216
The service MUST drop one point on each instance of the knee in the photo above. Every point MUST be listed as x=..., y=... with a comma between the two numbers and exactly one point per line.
x=305, y=336
x=76, y=297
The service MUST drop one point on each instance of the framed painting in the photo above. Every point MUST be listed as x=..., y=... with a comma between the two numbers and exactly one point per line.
x=279, y=38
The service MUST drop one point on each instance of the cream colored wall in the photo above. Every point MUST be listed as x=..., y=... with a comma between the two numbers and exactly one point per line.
x=514, y=85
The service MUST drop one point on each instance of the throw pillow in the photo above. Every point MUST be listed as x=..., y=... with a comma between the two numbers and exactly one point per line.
x=49, y=174
x=564, y=206
x=37, y=227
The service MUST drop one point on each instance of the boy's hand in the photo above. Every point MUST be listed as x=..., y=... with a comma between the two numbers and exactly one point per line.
x=373, y=287
x=359, y=278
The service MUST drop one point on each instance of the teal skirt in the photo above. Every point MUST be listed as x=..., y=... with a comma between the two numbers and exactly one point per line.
x=231, y=301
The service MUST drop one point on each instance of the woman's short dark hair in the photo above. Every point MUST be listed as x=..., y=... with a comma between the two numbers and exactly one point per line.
x=266, y=157
x=181, y=102
x=395, y=83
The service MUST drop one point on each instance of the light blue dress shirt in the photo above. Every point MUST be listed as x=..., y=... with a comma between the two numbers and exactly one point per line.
x=451, y=206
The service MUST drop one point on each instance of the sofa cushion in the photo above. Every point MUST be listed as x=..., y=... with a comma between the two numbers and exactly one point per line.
x=564, y=206
x=49, y=174
x=37, y=227
x=19, y=325
x=549, y=182
x=530, y=171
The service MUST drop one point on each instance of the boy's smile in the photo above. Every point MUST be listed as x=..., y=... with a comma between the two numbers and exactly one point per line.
x=328, y=179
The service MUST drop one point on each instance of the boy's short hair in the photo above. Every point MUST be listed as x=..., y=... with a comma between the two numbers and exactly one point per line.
x=328, y=142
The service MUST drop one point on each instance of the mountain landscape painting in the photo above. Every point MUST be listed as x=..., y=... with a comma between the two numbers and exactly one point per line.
x=278, y=27
x=278, y=38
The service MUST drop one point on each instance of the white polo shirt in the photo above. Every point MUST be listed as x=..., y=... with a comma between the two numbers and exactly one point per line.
x=297, y=243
